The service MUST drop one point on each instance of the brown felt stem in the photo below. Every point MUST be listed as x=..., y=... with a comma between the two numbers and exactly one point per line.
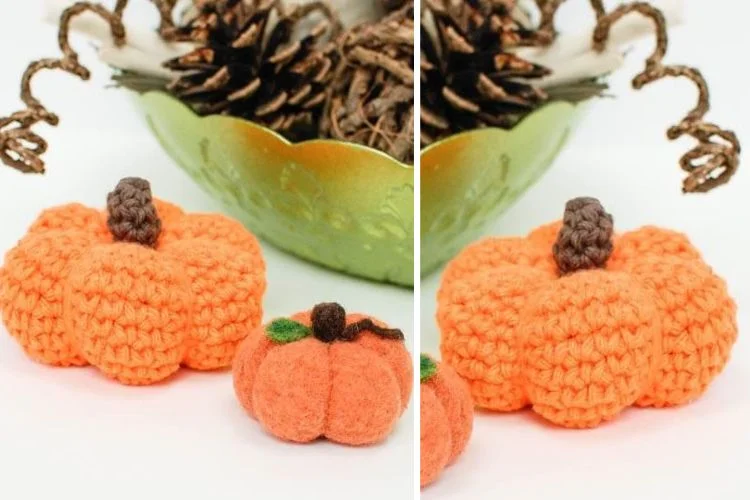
x=132, y=216
x=329, y=325
x=585, y=239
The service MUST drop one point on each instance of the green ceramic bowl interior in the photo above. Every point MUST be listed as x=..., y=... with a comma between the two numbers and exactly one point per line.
x=347, y=207
x=470, y=179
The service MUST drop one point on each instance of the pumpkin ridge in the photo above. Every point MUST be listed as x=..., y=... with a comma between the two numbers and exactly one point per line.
x=642, y=321
x=287, y=387
x=435, y=436
x=245, y=366
x=347, y=408
x=401, y=368
x=489, y=362
x=369, y=384
x=329, y=396
x=71, y=217
x=133, y=301
x=35, y=272
x=329, y=345
x=447, y=414
x=696, y=300
x=452, y=393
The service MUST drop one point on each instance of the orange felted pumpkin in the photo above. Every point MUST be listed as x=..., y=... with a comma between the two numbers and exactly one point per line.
x=446, y=418
x=136, y=291
x=580, y=323
x=324, y=374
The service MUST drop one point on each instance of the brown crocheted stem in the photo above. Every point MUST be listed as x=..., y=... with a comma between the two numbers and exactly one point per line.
x=329, y=325
x=585, y=239
x=132, y=216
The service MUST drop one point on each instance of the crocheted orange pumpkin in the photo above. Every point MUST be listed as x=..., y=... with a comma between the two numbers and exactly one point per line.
x=447, y=416
x=324, y=373
x=135, y=291
x=580, y=323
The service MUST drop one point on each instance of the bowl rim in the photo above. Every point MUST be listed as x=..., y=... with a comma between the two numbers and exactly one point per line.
x=262, y=129
x=489, y=130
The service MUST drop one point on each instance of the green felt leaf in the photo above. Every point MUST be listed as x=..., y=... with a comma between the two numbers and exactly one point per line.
x=284, y=331
x=427, y=368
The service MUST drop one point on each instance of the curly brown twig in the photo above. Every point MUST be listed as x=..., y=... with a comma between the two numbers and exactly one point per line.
x=715, y=159
x=166, y=19
x=301, y=11
x=20, y=148
x=598, y=6
x=545, y=33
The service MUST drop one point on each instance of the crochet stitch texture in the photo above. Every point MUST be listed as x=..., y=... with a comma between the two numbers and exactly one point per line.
x=71, y=295
x=644, y=321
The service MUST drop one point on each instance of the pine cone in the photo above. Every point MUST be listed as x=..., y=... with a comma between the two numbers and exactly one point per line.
x=469, y=79
x=372, y=100
x=251, y=67
x=202, y=17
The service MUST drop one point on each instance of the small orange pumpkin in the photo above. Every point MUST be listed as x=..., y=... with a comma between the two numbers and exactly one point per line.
x=324, y=373
x=446, y=418
x=135, y=291
x=580, y=323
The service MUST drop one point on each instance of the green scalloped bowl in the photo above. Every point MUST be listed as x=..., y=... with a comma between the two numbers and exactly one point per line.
x=347, y=207
x=470, y=179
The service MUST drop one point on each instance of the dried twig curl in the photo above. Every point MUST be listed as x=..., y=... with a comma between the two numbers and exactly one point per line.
x=20, y=148
x=372, y=99
x=716, y=157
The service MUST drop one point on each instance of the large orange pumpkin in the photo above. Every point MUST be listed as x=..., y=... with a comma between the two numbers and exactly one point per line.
x=136, y=291
x=580, y=323
x=446, y=418
x=324, y=373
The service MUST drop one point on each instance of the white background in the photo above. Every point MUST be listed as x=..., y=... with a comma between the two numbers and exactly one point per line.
x=620, y=155
x=74, y=434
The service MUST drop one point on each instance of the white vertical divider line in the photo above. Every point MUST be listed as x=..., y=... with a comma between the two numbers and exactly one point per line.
x=417, y=246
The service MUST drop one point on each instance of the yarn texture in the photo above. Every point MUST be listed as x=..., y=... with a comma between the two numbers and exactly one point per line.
x=446, y=418
x=136, y=291
x=579, y=323
x=324, y=373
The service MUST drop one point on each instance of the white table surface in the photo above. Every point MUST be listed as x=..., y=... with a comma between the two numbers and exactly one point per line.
x=620, y=155
x=74, y=434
